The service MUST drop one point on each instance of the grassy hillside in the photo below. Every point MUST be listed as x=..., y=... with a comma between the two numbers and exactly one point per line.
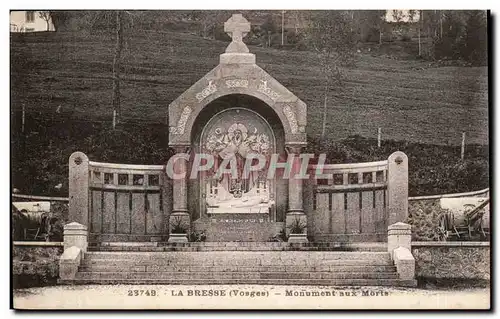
x=407, y=98
x=64, y=82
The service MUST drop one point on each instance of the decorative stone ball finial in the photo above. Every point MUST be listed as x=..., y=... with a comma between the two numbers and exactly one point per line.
x=237, y=28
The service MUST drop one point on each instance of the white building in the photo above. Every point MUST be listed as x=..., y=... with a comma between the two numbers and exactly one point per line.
x=402, y=16
x=30, y=21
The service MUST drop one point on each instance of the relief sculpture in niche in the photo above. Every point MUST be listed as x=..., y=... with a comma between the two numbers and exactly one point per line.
x=232, y=144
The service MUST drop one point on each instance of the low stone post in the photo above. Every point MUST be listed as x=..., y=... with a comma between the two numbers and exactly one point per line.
x=397, y=187
x=68, y=264
x=75, y=245
x=398, y=235
x=75, y=234
x=399, y=247
x=79, y=188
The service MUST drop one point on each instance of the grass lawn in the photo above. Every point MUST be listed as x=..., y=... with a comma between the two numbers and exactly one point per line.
x=406, y=98
x=64, y=81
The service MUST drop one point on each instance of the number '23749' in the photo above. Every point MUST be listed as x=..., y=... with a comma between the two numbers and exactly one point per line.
x=136, y=292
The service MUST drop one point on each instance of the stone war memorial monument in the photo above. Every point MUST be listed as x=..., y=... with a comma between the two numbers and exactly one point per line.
x=239, y=201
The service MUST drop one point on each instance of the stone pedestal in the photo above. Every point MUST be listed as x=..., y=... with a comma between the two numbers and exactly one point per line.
x=297, y=238
x=398, y=235
x=405, y=263
x=399, y=246
x=75, y=245
x=177, y=238
x=237, y=58
x=69, y=262
x=75, y=234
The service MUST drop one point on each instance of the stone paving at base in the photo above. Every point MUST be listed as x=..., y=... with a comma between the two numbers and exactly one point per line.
x=246, y=297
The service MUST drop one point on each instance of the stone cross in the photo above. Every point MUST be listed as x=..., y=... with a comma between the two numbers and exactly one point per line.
x=237, y=28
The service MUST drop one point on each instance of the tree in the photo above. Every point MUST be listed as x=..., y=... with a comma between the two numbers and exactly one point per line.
x=116, y=67
x=397, y=15
x=46, y=16
x=297, y=16
x=60, y=19
x=269, y=28
x=412, y=14
x=209, y=20
x=329, y=34
x=116, y=21
x=474, y=47
x=370, y=24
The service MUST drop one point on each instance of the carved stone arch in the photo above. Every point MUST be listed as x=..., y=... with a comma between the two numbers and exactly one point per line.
x=283, y=119
x=184, y=111
x=237, y=73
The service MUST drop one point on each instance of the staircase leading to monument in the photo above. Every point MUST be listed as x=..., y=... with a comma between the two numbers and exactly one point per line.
x=237, y=263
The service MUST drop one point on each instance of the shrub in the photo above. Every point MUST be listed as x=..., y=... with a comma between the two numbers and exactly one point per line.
x=35, y=266
x=197, y=237
x=33, y=274
x=423, y=217
x=406, y=37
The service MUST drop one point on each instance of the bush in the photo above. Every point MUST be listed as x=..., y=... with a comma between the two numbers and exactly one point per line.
x=433, y=169
x=423, y=218
x=35, y=266
x=406, y=37
x=220, y=35
x=27, y=274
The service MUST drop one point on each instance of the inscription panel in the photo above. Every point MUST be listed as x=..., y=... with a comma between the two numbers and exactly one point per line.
x=238, y=228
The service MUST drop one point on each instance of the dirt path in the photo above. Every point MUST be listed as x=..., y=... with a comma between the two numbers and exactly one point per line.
x=246, y=297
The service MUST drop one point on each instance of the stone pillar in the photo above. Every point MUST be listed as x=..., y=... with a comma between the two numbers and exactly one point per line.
x=79, y=188
x=295, y=213
x=398, y=235
x=397, y=187
x=179, y=189
x=75, y=234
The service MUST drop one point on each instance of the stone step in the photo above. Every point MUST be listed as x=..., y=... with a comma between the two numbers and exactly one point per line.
x=220, y=248
x=237, y=246
x=157, y=264
x=218, y=282
x=234, y=275
x=234, y=263
x=98, y=267
x=214, y=257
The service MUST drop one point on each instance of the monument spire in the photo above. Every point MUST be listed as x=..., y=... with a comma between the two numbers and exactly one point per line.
x=237, y=28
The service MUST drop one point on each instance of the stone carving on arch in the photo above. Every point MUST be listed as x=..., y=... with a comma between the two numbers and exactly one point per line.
x=181, y=123
x=209, y=89
x=242, y=83
x=292, y=120
x=267, y=90
x=286, y=106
